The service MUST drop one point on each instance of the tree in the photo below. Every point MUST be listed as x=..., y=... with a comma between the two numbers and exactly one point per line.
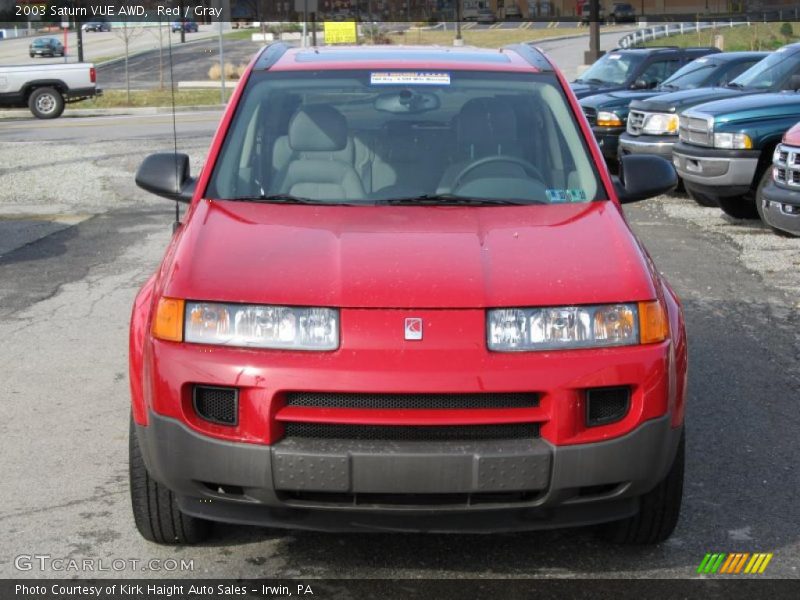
x=126, y=34
x=787, y=31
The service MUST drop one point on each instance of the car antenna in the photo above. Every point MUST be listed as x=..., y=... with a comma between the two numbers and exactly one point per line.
x=177, y=222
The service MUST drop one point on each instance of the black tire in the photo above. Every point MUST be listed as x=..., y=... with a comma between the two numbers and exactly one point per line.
x=46, y=103
x=155, y=510
x=702, y=199
x=658, y=512
x=740, y=207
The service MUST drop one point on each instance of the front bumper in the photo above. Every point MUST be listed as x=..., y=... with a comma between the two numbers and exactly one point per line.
x=660, y=145
x=781, y=208
x=608, y=140
x=716, y=172
x=346, y=485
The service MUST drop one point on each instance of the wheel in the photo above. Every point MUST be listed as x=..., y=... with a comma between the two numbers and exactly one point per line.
x=46, y=103
x=702, y=199
x=658, y=512
x=155, y=510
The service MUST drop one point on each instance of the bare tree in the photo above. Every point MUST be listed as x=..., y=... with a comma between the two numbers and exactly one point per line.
x=160, y=37
x=127, y=34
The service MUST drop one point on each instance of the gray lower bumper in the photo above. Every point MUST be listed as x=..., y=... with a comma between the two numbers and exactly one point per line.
x=648, y=144
x=781, y=208
x=431, y=486
x=716, y=172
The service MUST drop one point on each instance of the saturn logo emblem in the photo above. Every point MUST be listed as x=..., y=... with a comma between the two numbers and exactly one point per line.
x=413, y=328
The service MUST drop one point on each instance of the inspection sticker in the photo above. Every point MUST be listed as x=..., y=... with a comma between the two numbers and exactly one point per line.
x=406, y=78
x=563, y=196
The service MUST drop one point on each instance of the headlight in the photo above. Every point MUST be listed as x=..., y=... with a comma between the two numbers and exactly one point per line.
x=660, y=124
x=732, y=140
x=608, y=119
x=519, y=329
x=247, y=325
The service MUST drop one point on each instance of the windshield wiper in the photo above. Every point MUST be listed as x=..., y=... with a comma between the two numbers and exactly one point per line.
x=669, y=86
x=282, y=199
x=733, y=84
x=453, y=200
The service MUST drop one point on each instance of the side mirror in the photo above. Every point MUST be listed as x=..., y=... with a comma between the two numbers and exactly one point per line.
x=166, y=174
x=640, y=84
x=644, y=176
x=794, y=82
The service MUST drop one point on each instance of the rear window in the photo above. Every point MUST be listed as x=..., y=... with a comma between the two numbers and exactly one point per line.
x=361, y=136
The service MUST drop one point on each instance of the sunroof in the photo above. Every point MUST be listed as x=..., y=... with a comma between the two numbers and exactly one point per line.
x=400, y=55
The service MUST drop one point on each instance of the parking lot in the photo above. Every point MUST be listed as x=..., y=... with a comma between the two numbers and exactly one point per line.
x=77, y=239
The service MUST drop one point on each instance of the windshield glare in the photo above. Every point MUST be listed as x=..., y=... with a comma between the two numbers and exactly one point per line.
x=768, y=73
x=371, y=137
x=612, y=68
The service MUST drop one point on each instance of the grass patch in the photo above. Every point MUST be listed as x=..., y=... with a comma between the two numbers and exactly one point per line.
x=756, y=36
x=484, y=38
x=241, y=34
x=119, y=99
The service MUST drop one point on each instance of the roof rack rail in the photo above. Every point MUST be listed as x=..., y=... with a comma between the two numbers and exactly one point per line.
x=531, y=54
x=270, y=55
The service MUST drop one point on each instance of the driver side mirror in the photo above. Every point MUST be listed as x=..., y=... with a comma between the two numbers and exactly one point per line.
x=641, y=84
x=644, y=176
x=166, y=174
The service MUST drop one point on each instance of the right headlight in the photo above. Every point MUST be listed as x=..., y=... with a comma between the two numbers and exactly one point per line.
x=661, y=124
x=569, y=327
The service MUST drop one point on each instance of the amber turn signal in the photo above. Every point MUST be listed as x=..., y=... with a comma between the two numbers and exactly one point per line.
x=653, y=322
x=168, y=320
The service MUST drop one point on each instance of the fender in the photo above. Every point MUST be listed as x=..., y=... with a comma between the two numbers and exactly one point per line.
x=56, y=83
x=679, y=363
x=140, y=320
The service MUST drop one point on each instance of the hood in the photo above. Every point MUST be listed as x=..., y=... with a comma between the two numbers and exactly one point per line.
x=775, y=105
x=582, y=90
x=792, y=137
x=678, y=101
x=420, y=257
x=615, y=101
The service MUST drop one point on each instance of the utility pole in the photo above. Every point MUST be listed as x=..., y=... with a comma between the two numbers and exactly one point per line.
x=458, y=41
x=79, y=27
x=594, y=33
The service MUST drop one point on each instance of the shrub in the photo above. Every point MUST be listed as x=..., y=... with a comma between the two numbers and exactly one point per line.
x=787, y=31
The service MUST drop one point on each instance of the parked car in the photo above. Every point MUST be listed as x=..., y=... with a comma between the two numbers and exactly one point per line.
x=96, y=26
x=585, y=11
x=188, y=26
x=486, y=15
x=771, y=74
x=343, y=338
x=45, y=89
x=608, y=113
x=634, y=69
x=622, y=12
x=45, y=47
x=779, y=202
x=726, y=147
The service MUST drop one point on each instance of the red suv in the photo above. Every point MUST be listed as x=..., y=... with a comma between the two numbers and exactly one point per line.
x=404, y=296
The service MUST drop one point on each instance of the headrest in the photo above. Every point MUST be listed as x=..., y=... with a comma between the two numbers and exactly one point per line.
x=319, y=128
x=486, y=120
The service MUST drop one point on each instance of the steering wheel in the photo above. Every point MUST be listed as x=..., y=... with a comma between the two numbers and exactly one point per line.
x=529, y=169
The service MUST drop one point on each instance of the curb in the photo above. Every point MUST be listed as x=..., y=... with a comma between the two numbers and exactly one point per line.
x=23, y=113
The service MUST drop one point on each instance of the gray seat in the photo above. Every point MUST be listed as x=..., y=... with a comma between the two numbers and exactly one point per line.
x=484, y=127
x=317, y=135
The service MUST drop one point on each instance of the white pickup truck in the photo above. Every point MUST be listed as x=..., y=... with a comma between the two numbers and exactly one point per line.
x=46, y=88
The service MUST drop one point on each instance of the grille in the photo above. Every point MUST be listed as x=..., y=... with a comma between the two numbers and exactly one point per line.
x=606, y=405
x=416, y=434
x=635, y=122
x=412, y=401
x=695, y=130
x=409, y=499
x=216, y=404
x=787, y=165
x=591, y=115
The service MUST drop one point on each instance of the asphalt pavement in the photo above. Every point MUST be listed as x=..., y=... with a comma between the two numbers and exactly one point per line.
x=66, y=290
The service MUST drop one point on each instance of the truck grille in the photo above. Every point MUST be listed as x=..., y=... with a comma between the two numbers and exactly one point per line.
x=696, y=129
x=636, y=122
x=591, y=115
x=512, y=431
x=787, y=166
x=413, y=401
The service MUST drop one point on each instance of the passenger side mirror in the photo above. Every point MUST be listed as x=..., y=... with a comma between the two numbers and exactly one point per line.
x=166, y=174
x=794, y=82
x=640, y=84
x=644, y=176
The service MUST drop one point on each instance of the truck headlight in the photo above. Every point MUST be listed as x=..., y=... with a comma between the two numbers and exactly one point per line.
x=608, y=119
x=567, y=327
x=247, y=325
x=737, y=141
x=660, y=124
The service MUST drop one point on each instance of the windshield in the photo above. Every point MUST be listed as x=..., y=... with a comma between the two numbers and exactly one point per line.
x=361, y=136
x=691, y=76
x=767, y=74
x=613, y=68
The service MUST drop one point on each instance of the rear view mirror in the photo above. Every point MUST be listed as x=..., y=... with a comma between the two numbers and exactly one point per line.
x=407, y=102
x=644, y=176
x=166, y=174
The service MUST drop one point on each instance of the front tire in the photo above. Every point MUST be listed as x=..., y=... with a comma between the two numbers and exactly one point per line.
x=739, y=207
x=155, y=510
x=659, y=509
x=46, y=103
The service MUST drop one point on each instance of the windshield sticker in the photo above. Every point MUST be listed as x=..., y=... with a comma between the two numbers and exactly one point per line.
x=701, y=60
x=389, y=78
x=563, y=196
x=614, y=56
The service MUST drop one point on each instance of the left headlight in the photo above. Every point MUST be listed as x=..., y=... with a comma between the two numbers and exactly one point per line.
x=660, y=124
x=738, y=141
x=569, y=327
x=608, y=119
x=249, y=325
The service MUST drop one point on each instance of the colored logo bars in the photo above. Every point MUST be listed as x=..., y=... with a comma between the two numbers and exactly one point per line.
x=735, y=563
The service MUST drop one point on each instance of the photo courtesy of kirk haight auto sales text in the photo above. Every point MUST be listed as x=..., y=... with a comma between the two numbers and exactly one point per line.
x=162, y=591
